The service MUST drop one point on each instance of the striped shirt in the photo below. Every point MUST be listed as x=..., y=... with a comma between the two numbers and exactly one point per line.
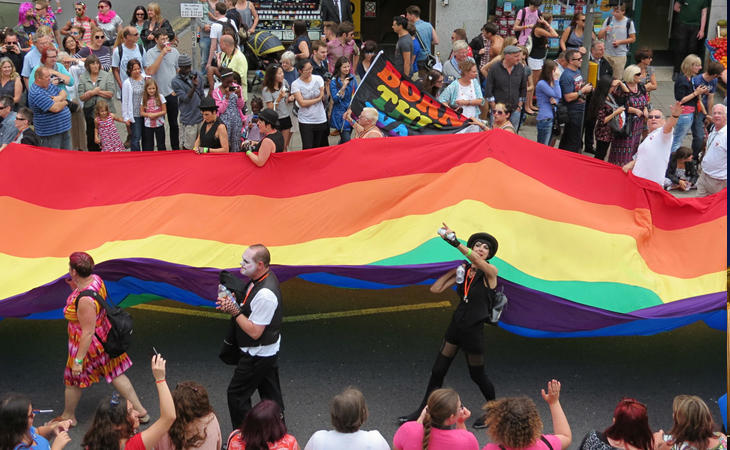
x=47, y=123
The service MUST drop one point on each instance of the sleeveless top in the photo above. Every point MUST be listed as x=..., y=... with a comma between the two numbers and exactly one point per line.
x=476, y=306
x=539, y=46
x=208, y=138
x=246, y=15
x=295, y=45
x=277, y=138
x=574, y=41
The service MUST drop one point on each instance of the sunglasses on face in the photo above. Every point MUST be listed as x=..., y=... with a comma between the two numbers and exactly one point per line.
x=99, y=37
x=658, y=116
x=498, y=112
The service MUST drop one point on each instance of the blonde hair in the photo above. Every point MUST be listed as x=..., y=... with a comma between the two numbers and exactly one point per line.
x=459, y=45
x=156, y=8
x=513, y=421
x=692, y=421
x=630, y=72
x=4, y=60
x=370, y=113
x=100, y=104
x=689, y=60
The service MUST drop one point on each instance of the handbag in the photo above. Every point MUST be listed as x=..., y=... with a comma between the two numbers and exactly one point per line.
x=561, y=113
x=430, y=58
x=621, y=123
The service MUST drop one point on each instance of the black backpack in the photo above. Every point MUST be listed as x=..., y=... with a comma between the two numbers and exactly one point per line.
x=628, y=24
x=120, y=335
x=120, y=50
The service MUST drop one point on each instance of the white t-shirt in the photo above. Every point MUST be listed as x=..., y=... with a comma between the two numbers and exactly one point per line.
x=714, y=163
x=313, y=114
x=618, y=33
x=216, y=29
x=263, y=307
x=359, y=440
x=652, y=156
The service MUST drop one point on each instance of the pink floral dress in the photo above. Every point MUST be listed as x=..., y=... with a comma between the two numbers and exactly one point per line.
x=97, y=363
x=108, y=135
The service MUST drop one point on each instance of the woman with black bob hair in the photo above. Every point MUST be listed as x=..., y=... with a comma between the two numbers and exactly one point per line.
x=17, y=430
x=116, y=422
x=476, y=284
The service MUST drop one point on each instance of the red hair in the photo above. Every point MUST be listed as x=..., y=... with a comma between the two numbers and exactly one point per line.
x=44, y=55
x=263, y=425
x=82, y=263
x=631, y=424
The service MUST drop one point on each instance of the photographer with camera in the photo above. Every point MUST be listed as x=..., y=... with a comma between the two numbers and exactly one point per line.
x=229, y=98
x=11, y=50
x=189, y=92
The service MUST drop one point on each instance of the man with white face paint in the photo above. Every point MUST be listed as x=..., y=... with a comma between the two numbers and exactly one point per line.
x=257, y=318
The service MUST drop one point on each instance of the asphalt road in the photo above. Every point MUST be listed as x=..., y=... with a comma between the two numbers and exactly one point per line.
x=388, y=356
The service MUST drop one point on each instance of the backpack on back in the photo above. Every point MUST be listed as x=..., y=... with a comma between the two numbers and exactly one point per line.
x=628, y=24
x=119, y=338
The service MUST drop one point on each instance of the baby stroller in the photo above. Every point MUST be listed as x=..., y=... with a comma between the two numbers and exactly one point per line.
x=262, y=48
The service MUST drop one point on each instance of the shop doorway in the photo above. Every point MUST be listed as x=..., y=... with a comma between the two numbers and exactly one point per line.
x=377, y=19
x=655, y=23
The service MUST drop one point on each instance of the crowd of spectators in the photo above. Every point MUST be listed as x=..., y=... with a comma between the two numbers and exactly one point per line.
x=494, y=81
x=188, y=421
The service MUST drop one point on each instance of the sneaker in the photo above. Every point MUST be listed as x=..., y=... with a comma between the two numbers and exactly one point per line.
x=409, y=418
x=480, y=423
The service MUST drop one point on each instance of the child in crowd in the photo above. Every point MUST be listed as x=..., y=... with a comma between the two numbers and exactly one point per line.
x=253, y=134
x=682, y=171
x=105, y=132
x=153, y=109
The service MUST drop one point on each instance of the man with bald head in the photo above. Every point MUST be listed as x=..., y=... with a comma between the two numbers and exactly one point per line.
x=50, y=110
x=256, y=316
x=32, y=59
x=652, y=157
x=713, y=176
x=231, y=57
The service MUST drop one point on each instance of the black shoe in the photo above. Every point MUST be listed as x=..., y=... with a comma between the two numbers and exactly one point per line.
x=480, y=423
x=409, y=418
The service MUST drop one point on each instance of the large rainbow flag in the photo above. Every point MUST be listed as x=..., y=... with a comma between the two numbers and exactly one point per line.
x=585, y=250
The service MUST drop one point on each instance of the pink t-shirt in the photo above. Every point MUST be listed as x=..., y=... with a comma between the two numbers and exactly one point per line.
x=410, y=437
x=526, y=17
x=539, y=445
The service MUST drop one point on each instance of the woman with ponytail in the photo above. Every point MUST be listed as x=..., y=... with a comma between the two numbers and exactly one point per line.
x=441, y=426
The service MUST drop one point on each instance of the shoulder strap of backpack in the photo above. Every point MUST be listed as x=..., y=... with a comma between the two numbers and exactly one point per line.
x=608, y=21
x=120, y=50
x=544, y=439
x=141, y=50
x=93, y=294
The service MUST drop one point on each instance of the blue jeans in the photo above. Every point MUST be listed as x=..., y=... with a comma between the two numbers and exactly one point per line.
x=136, y=136
x=698, y=134
x=516, y=119
x=684, y=123
x=544, y=131
x=60, y=140
x=345, y=135
x=204, y=51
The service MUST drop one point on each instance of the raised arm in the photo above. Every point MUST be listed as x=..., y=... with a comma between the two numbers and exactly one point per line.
x=561, y=428
x=152, y=435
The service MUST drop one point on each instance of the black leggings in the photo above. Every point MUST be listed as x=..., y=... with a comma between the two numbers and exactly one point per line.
x=602, y=149
x=91, y=144
x=314, y=135
x=475, y=361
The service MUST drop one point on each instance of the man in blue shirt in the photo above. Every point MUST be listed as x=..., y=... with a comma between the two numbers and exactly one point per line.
x=52, y=117
x=425, y=31
x=574, y=89
x=7, y=120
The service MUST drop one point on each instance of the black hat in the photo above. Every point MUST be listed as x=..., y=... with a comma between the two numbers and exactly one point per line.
x=269, y=116
x=488, y=239
x=208, y=104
